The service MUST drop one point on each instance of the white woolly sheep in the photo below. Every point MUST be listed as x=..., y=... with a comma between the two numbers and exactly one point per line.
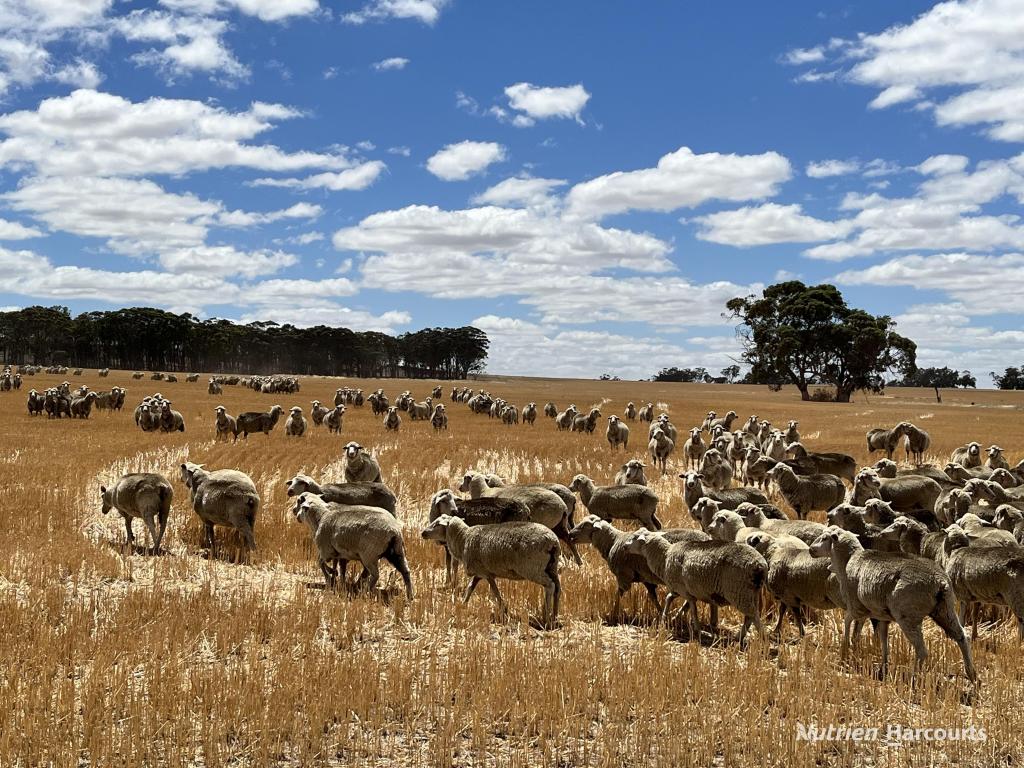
x=143, y=494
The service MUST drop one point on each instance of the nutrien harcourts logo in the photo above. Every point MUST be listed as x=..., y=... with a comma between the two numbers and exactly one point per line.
x=891, y=733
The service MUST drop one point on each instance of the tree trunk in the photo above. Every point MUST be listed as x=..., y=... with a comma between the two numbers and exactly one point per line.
x=804, y=394
x=843, y=394
x=938, y=397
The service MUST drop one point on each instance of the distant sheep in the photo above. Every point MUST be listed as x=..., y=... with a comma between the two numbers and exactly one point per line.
x=295, y=426
x=617, y=433
x=258, y=421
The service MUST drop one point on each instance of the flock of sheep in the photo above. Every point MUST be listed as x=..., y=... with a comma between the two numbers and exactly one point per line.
x=900, y=544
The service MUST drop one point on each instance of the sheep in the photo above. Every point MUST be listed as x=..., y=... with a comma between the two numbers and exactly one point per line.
x=335, y=419
x=775, y=446
x=546, y=505
x=727, y=498
x=916, y=442
x=631, y=473
x=960, y=474
x=1004, y=477
x=984, y=533
x=855, y=519
x=1010, y=519
x=887, y=469
x=392, y=421
x=566, y=419
x=694, y=448
x=295, y=426
x=888, y=587
x=342, y=533
x=796, y=579
x=550, y=410
x=726, y=525
x=586, y=423
x=419, y=411
x=483, y=511
x=839, y=464
x=439, y=418
x=660, y=447
x=510, y=415
x=170, y=420
x=352, y=494
x=754, y=516
x=716, y=470
x=360, y=465
x=223, y=497
x=36, y=402
x=882, y=513
x=141, y=494
x=627, y=568
x=630, y=411
x=225, y=424
x=214, y=388
x=522, y=551
x=792, y=433
x=617, y=433
x=646, y=413
x=991, y=575
x=81, y=407
x=725, y=421
x=914, y=538
x=995, y=459
x=317, y=412
x=905, y=493
x=968, y=456
x=529, y=414
x=884, y=439
x=993, y=493
x=618, y=502
x=714, y=572
x=257, y=421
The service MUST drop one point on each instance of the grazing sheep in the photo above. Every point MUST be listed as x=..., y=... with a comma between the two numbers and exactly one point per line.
x=905, y=493
x=392, y=421
x=627, y=568
x=855, y=519
x=360, y=465
x=223, y=497
x=694, y=448
x=192, y=378
x=631, y=473
x=726, y=525
x=885, y=439
x=522, y=551
x=257, y=421
x=993, y=493
x=630, y=411
x=317, y=413
x=728, y=498
x=916, y=443
x=755, y=517
x=225, y=424
x=660, y=447
x=713, y=572
x=550, y=410
x=295, y=425
x=990, y=575
x=342, y=533
x=647, y=413
x=839, y=464
x=984, y=533
x=796, y=579
x=142, y=494
x=352, y=494
x=618, y=502
x=807, y=493
x=137, y=375
x=716, y=470
x=617, y=433
x=335, y=419
x=529, y=414
x=995, y=459
x=968, y=456
x=483, y=511
x=888, y=587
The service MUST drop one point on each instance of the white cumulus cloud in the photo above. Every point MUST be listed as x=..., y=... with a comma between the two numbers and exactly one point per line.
x=457, y=162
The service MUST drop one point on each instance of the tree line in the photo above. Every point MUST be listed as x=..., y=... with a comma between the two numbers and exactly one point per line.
x=144, y=338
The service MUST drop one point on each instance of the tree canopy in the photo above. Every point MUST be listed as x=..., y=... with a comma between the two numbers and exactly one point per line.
x=152, y=339
x=806, y=335
x=689, y=375
x=937, y=378
x=1011, y=378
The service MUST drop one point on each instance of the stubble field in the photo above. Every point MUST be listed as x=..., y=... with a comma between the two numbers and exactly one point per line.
x=111, y=657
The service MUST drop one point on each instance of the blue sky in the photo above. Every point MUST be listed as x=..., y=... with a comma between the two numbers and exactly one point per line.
x=586, y=183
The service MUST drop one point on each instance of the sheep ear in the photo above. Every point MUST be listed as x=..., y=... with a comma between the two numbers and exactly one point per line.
x=103, y=489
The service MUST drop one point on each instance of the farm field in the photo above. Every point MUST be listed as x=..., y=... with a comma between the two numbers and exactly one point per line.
x=110, y=657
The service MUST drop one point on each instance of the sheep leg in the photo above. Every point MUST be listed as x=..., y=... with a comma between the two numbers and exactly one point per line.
x=652, y=592
x=208, y=529
x=847, y=624
x=796, y=614
x=669, y=599
x=396, y=556
x=502, y=608
x=329, y=573
x=883, y=640
x=782, y=616
x=371, y=573
x=151, y=525
x=945, y=616
x=915, y=635
x=128, y=527
x=469, y=589
x=164, y=513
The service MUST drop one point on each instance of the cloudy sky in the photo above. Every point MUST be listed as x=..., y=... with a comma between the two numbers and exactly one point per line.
x=586, y=184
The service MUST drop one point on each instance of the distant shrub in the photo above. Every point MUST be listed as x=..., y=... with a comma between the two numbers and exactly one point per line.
x=823, y=395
